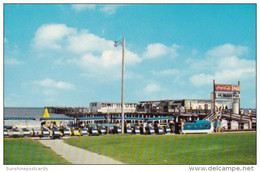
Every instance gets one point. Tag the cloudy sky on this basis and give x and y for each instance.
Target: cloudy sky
(64, 54)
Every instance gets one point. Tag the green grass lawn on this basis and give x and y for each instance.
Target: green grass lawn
(235, 148)
(21, 151)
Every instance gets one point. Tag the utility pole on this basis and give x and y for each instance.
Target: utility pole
(122, 88)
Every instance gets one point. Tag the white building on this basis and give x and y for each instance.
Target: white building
(205, 104)
(109, 107)
(181, 105)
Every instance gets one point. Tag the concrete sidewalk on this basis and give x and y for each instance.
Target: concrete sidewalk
(77, 155)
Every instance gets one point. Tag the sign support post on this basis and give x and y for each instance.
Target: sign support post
(235, 96)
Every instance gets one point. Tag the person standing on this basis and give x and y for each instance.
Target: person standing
(215, 124)
(144, 127)
(218, 125)
(221, 126)
(182, 126)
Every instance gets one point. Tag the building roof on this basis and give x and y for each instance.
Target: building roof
(176, 100)
(92, 118)
(113, 102)
(19, 118)
(57, 118)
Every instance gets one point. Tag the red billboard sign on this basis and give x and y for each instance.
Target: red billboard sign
(228, 88)
(236, 88)
(223, 87)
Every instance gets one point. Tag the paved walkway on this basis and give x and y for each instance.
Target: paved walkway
(76, 155)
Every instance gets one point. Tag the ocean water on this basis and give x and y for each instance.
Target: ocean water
(34, 112)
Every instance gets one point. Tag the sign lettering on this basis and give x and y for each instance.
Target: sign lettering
(222, 87)
(227, 96)
(236, 88)
(227, 88)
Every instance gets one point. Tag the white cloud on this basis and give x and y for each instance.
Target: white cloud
(131, 58)
(220, 57)
(114, 58)
(158, 50)
(95, 55)
(104, 50)
(151, 88)
(155, 50)
(234, 62)
(224, 76)
(87, 42)
(83, 7)
(227, 50)
(59, 61)
(107, 65)
(51, 84)
(201, 79)
(166, 72)
(50, 36)
(109, 9)
(224, 64)
(13, 61)
(194, 52)
(61, 37)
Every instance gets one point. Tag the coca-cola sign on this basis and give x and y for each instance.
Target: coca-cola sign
(236, 88)
(222, 87)
(228, 88)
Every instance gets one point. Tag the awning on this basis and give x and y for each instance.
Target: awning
(175, 104)
(8, 127)
(160, 118)
(19, 118)
(58, 119)
(163, 104)
(105, 125)
(188, 114)
(91, 118)
(129, 118)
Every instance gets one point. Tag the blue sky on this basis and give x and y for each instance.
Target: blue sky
(63, 54)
